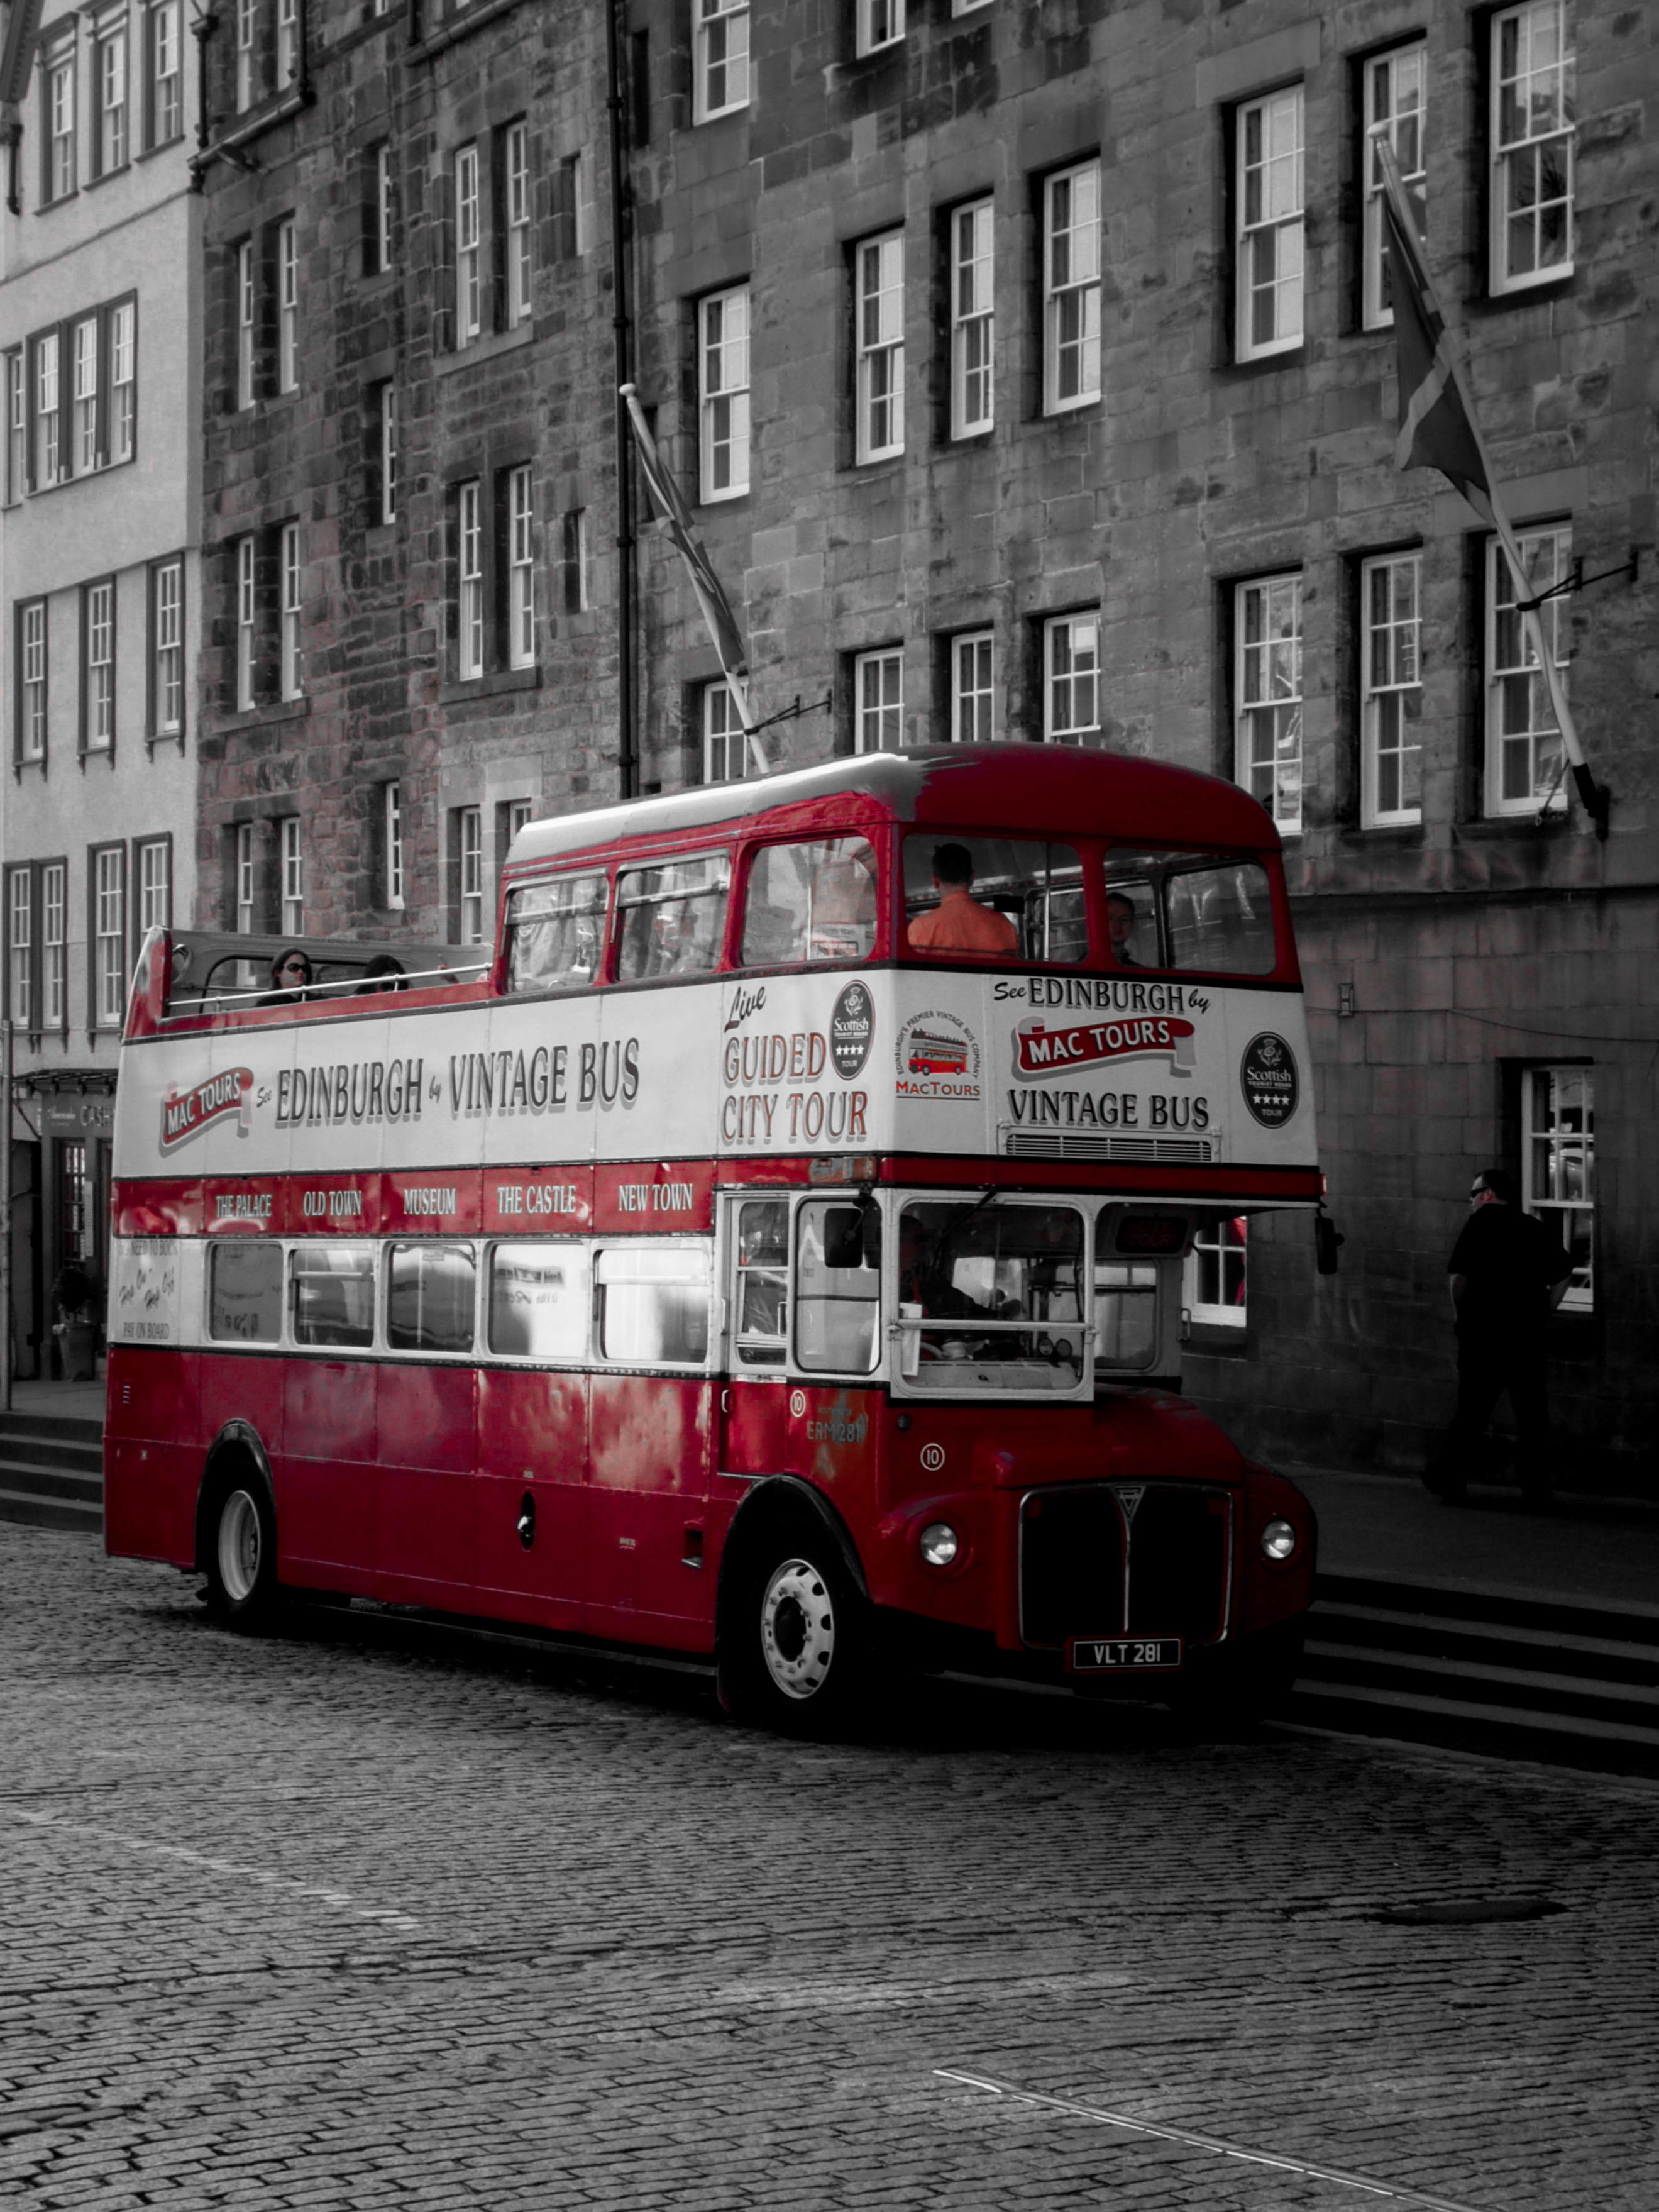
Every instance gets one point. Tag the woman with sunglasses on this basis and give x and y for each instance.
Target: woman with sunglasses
(290, 974)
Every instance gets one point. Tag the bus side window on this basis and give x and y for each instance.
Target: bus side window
(653, 1303)
(671, 919)
(331, 1293)
(555, 933)
(837, 1296)
(244, 1292)
(540, 1301)
(1126, 1313)
(763, 1284)
(1222, 918)
(430, 1292)
(809, 901)
(998, 898)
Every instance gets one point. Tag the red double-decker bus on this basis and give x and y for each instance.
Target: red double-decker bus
(774, 1252)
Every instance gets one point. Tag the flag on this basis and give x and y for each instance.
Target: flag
(1436, 428)
(676, 515)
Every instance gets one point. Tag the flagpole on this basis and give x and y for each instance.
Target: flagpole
(716, 612)
(1594, 798)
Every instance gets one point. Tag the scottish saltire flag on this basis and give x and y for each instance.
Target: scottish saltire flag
(1437, 429)
(716, 607)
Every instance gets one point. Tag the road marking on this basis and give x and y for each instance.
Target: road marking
(341, 1899)
(1285, 2164)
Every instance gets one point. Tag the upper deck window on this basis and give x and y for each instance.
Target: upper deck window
(555, 933)
(1199, 910)
(996, 898)
(670, 919)
(809, 901)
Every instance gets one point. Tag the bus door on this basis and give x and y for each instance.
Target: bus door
(330, 1430)
(530, 1502)
(428, 1425)
(650, 1439)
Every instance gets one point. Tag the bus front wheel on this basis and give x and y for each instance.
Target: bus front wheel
(239, 1551)
(793, 1646)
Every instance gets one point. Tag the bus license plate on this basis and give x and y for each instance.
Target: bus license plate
(1123, 1654)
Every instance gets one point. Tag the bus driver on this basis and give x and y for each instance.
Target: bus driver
(960, 923)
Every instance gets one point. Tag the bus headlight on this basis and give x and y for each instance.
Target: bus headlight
(1278, 1541)
(940, 1543)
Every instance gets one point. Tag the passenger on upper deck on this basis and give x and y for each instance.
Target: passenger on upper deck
(1120, 923)
(289, 968)
(959, 923)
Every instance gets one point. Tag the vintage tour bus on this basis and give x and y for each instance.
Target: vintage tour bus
(774, 1252)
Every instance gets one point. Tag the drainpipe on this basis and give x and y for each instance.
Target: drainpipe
(628, 764)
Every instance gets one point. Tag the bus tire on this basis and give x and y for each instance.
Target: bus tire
(794, 1637)
(238, 1550)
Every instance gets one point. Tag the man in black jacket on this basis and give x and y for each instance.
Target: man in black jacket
(1507, 1273)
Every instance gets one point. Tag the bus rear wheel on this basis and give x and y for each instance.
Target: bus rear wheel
(794, 1639)
(240, 1552)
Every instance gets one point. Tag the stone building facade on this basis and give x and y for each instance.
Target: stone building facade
(1028, 366)
(100, 354)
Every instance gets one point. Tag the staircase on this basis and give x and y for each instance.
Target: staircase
(1575, 1685)
(52, 1472)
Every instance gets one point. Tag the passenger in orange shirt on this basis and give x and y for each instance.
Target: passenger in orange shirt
(959, 923)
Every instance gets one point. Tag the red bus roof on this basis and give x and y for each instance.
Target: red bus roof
(1004, 789)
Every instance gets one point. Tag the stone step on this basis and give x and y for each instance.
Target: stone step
(38, 1510)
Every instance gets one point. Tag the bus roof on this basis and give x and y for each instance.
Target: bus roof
(1036, 790)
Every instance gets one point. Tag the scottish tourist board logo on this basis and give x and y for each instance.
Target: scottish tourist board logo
(937, 1056)
(1268, 1077)
(852, 1025)
(186, 1114)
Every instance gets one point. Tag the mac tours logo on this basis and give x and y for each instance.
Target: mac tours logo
(937, 1056)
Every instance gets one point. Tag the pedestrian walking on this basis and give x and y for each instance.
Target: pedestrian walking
(1508, 1272)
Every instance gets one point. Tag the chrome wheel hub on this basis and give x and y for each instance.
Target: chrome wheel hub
(798, 1629)
(238, 1546)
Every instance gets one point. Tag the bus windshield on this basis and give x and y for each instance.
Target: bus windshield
(991, 1295)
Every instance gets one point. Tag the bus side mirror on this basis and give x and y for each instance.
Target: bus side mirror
(1328, 1240)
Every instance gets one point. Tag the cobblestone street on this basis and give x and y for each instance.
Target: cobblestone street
(370, 1914)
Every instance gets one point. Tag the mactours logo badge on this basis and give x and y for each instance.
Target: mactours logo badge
(937, 1056)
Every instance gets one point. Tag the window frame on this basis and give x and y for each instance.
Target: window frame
(246, 343)
(1372, 814)
(111, 118)
(164, 113)
(1059, 293)
(1247, 346)
(716, 702)
(878, 349)
(386, 427)
(59, 119)
(1244, 703)
(1211, 1239)
(246, 604)
(717, 22)
(1054, 627)
(288, 306)
(470, 622)
(1579, 1296)
(520, 567)
(878, 24)
(146, 882)
(973, 325)
(1407, 133)
(471, 901)
(1501, 280)
(519, 208)
(292, 881)
(880, 661)
(469, 244)
(578, 585)
(21, 1007)
(54, 877)
(98, 674)
(723, 405)
(107, 964)
(32, 721)
(290, 608)
(248, 74)
(244, 881)
(1495, 678)
(973, 704)
(17, 424)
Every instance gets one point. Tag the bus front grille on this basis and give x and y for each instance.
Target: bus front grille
(1072, 1145)
(1123, 1559)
